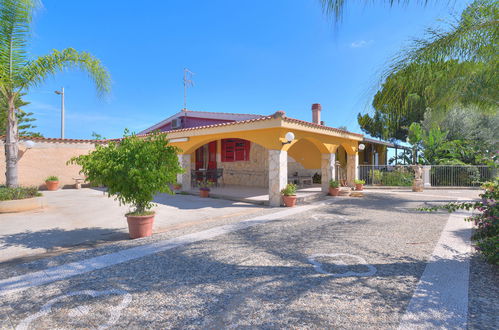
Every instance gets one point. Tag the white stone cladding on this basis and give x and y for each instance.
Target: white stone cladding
(185, 178)
(328, 170)
(253, 172)
(278, 175)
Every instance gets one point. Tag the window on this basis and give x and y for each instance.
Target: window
(234, 150)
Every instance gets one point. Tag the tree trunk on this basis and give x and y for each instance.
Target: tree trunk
(11, 144)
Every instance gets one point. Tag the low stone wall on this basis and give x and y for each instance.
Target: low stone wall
(47, 157)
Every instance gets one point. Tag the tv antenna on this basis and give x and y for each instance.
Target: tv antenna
(187, 83)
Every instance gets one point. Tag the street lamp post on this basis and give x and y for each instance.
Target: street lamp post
(61, 93)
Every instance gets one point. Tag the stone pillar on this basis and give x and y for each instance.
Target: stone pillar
(426, 176)
(352, 168)
(328, 167)
(185, 178)
(219, 152)
(278, 175)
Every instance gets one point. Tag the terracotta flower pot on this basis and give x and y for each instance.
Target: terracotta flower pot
(289, 201)
(140, 225)
(334, 191)
(359, 186)
(204, 193)
(52, 185)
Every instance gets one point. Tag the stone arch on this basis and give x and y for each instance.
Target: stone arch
(308, 152)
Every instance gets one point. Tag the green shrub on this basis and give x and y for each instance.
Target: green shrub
(486, 221)
(397, 178)
(133, 169)
(52, 178)
(334, 184)
(358, 181)
(290, 190)
(376, 176)
(7, 194)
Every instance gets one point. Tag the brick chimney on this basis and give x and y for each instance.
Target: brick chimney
(316, 113)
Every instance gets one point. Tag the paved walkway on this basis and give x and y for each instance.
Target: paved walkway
(366, 262)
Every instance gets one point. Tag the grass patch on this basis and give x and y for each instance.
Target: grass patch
(8, 194)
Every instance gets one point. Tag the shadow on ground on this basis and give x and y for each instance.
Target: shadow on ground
(59, 238)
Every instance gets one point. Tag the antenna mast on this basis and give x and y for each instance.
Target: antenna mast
(187, 83)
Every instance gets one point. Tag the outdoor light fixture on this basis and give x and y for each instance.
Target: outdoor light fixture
(290, 136)
(29, 144)
(362, 146)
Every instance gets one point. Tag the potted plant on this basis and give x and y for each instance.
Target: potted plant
(134, 170)
(334, 188)
(289, 195)
(204, 188)
(359, 184)
(52, 183)
(177, 186)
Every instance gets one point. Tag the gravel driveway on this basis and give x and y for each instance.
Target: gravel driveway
(353, 263)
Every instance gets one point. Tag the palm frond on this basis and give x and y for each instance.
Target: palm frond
(37, 71)
(456, 64)
(336, 8)
(15, 19)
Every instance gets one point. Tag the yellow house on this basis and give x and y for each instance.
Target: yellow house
(263, 151)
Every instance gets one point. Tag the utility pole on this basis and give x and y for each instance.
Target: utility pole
(61, 93)
(187, 83)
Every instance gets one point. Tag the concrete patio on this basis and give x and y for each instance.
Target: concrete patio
(87, 217)
(258, 195)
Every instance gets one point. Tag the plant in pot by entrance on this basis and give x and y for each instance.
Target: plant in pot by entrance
(177, 187)
(134, 170)
(204, 188)
(52, 183)
(289, 195)
(334, 188)
(359, 184)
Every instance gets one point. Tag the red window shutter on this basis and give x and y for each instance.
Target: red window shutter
(235, 150)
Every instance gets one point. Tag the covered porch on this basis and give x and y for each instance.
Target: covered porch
(255, 159)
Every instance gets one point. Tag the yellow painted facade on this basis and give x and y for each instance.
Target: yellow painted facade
(310, 140)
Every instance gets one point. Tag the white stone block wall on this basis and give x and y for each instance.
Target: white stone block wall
(278, 175)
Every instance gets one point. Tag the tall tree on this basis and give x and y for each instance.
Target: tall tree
(18, 73)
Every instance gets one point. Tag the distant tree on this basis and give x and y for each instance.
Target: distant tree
(467, 123)
(343, 127)
(97, 136)
(25, 119)
(407, 95)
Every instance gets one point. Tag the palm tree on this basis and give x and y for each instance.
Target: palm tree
(18, 73)
(464, 53)
(470, 41)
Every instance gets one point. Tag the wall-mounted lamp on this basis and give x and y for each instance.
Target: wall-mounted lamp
(289, 137)
(362, 146)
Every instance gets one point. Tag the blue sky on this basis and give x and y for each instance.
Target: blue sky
(255, 56)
